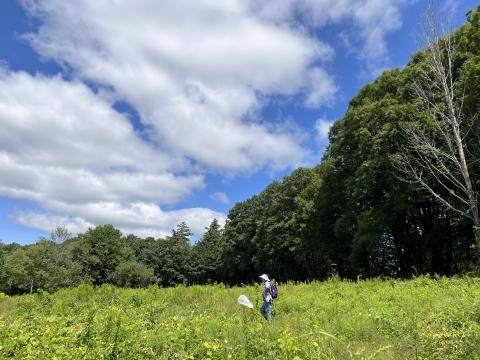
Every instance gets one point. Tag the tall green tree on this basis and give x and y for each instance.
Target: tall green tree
(239, 250)
(207, 255)
(379, 211)
(320, 205)
(51, 266)
(99, 251)
(280, 249)
(263, 234)
(18, 272)
(174, 257)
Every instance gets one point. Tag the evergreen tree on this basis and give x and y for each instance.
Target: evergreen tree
(174, 257)
(207, 255)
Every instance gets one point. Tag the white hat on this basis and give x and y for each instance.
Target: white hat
(264, 277)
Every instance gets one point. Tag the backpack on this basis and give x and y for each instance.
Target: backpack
(273, 290)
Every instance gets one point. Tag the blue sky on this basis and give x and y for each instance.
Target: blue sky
(145, 114)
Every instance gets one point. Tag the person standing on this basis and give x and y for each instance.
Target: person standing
(267, 306)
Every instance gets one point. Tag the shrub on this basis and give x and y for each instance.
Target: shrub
(133, 274)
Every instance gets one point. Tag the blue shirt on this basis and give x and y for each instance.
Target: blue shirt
(266, 293)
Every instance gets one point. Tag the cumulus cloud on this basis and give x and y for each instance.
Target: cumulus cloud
(66, 149)
(193, 70)
(142, 219)
(220, 197)
(61, 141)
(322, 128)
(196, 72)
(47, 222)
(371, 21)
(323, 88)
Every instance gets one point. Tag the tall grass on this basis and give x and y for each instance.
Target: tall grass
(374, 319)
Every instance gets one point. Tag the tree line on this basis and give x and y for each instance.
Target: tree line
(358, 213)
(103, 255)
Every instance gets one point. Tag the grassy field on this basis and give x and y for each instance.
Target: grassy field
(375, 319)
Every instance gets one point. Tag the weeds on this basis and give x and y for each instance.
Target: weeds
(365, 320)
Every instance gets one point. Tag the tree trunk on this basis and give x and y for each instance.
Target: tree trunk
(401, 251)
(472, 199)
(476, 231)
(447, 164)
(448, 251)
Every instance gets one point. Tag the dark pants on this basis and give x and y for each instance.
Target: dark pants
(266, 310)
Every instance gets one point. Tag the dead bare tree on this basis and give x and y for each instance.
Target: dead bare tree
(60, 234)
(434, 155)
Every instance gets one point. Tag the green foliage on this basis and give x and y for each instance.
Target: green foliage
(280, 246)
(239, 249)
(44, 265)
(207, 255)
(352, 214)
(18, 272)
(375, 319)
(264, 234)
(175, 257)
(100, 251)
(133, 274)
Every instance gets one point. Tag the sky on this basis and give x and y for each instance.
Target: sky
(143, 114)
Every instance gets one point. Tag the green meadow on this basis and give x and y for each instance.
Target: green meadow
(372, 319)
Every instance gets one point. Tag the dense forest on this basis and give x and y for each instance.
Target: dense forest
(353, 214)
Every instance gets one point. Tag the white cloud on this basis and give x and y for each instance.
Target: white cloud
(48, 222)
(322, 127)
(193, 70)
(376, 18)
(142, 219)
(60, 141)
(371, 21)
(196, 72)
(323, 88)
(220, 197)
(66, 149)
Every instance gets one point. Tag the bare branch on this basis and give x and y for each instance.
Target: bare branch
(434, 154)
(415, 176)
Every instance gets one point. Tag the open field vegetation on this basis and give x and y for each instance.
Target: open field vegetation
(373, 319)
